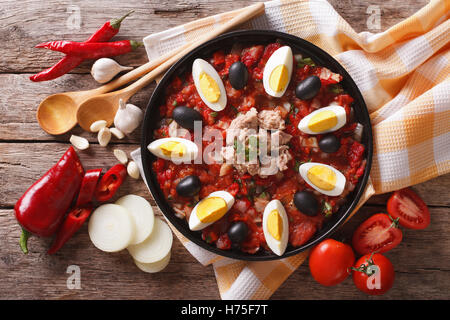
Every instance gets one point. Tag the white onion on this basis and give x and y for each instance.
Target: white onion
(111, 227)
(143, 215)
(156, 246)
(154, 266)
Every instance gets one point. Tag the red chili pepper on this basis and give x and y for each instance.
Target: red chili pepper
(92, 50)
(41, 208)
(88, 186)
(69, 62)
(73, 222)
(110, 182)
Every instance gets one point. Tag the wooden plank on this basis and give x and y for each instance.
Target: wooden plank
(22, 125)
(23, 163)
(113, 276)
(35, 21)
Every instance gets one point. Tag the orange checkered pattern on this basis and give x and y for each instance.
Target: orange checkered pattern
(403, 74)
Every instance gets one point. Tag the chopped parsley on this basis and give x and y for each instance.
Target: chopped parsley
(175, 103)
(335, 88)
(327, 209)
(305, 61)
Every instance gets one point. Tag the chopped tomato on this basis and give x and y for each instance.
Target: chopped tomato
(300, 233)
(251, 55)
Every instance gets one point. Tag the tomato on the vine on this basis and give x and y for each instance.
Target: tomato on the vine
(373, 274)
(330, 262)
(409, 208)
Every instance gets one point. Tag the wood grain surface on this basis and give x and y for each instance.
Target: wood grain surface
(422, 261)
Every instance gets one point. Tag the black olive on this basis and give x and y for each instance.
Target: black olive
(185, 116)
(238, 232)
(308, 88)
(329, 143)
(238, 75)
(306, 203)
(188, 186)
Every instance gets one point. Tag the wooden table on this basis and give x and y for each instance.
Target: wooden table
(422, 261)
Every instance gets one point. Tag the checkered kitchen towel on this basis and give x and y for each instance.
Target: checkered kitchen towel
(403, 74)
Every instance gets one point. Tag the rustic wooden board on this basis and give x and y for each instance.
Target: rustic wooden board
(422, 260)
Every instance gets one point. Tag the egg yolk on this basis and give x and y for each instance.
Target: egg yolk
(173, 148)
(209, 87)
(275, 224)
(279, 78)
(211, 209)
(322, 177)
(322, 121)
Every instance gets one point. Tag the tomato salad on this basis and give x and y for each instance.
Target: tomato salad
(241, 228)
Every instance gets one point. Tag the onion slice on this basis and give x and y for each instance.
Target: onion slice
(156, 246)
(111, 227)
(154, 266)
(143, 215)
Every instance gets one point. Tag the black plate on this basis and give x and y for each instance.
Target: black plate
(248, 37)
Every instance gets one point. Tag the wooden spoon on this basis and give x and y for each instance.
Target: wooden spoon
(104, 106)
(57, 114)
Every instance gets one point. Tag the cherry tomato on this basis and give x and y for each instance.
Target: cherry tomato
(370, 280)
(406, 205)
(377, 234)
(330, 262)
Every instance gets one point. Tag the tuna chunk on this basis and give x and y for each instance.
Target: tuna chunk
(270, 120)
(245, 141)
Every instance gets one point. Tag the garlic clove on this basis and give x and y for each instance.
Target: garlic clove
(104, 69)
(117, 133)
(104, 136)
(128, 117)
(79, 142)
(98, 125)
(133, 170)
(121, 156)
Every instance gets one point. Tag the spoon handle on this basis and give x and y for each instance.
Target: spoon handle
(171, 58)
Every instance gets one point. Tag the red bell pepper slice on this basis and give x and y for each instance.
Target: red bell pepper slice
(88, 186)
(110, 182)
(73, 222)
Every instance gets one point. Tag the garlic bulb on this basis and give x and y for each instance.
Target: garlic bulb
(105, 69)
(128, 117)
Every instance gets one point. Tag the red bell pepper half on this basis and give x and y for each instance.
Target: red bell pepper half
(41, 208)
(88, 186)
(110, 182)
(73, 222)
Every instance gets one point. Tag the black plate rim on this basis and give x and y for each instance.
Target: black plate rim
(180, 224)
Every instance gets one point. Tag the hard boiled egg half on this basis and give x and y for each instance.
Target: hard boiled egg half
(276, 227)
(209, 85)
(323, 120)
(210, 209)
(323, 178)
(278, 71)
(175, 149)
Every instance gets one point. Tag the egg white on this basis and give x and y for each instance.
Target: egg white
(282, 56)
(338, 111)
(200, 66)
(194, 222)
(277, 246)
(191, 149)
(340, 181)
